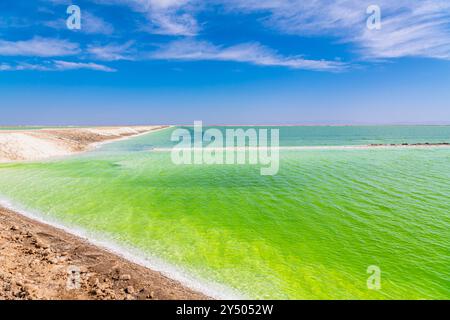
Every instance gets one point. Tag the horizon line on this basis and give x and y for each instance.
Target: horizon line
(228, 125)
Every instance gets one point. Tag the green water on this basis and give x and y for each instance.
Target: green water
(309, 232)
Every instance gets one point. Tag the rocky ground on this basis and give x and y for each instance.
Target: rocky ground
(38, 261)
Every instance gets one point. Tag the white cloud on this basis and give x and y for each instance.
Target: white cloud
(112, 52)
(5, 67)
(420, 31)
(409, 27)
(169, 23)
(56, 65)
(65, 65)
(90, 24)
(166, 17)
(38, 47)
(253, 53)
(418, 28)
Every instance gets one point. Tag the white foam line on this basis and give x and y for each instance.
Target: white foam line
(293, 148)
(97, 145)
(209, 288)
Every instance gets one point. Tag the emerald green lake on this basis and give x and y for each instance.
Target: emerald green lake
(309, 232)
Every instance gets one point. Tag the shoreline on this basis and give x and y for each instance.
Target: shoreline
(97, 145)
(185, 281)
(36, 256)
(48, 143)
(37, 259)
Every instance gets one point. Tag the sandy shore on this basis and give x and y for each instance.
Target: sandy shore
(29, 145)
(38, 261)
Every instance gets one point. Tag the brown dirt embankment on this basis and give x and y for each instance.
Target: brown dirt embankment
(38, 261)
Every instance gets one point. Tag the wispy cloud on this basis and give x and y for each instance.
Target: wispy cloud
(39, 47)
(66, 65)
(94, 24)
(169, 23)
(112, 52)
(56, 65)
(90, 24)
(166, 17)
(409, 27)
(422, 30)
(253, 53)
(5, 67)
(23, 66)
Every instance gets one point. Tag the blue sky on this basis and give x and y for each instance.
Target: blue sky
(224, 61)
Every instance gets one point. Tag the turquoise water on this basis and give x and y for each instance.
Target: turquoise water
(312, 136)
(310, 232)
